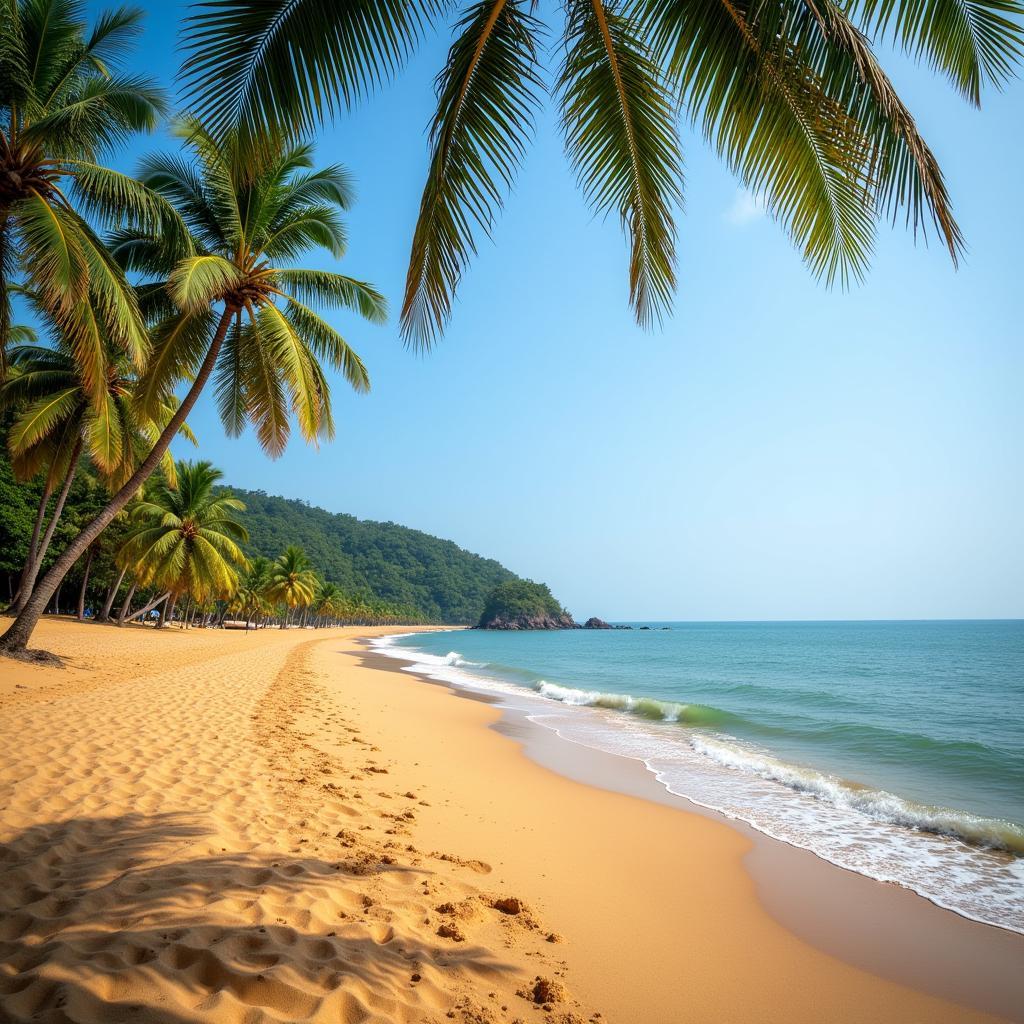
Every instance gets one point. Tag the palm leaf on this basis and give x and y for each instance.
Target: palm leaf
(974, 42)
(619, 124)
(328, 344)
(179, 343)
(104, 435)
(487, 94)
(41, 417)
(198, 281)
(55, 265)
(229, 382)
(282, 65)
(335, 290)
(774, 122)
(266, 406)
(310, 401)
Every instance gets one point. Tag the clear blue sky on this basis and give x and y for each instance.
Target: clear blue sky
(778, 450)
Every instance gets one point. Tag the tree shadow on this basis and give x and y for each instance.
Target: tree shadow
(103, 919)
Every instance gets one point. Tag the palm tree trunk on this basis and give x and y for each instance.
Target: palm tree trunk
(18, 635)
(28, 579)
(127, 604)
(104, 615)
(167, 612)
(33, 544)
(147, 607)
(85, 584)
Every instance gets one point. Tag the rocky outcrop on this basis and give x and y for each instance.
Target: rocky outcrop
(595, 623)
(562, 621)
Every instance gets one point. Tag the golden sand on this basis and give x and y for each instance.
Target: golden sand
(231, 827)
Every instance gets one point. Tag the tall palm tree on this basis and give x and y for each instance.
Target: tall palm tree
(251, 598)
(292, 581)
(225, 302)
(58, 422)
(329, 602)
(790, 94)
(186, 539)
(63, 103)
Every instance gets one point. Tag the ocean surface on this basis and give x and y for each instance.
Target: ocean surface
(895, 749)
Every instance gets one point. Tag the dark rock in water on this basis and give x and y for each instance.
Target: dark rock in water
(622, 627)
(666, 627)
(595, 623)
(645, 627)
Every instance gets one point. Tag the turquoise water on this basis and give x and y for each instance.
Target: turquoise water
(893, 748)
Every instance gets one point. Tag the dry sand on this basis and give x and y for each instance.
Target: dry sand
(215, 826)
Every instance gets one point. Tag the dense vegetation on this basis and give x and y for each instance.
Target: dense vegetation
(393, 563)
(520, 601)
(433, 580)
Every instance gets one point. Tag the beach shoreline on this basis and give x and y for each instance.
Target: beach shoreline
(206, 826)
(888, 930)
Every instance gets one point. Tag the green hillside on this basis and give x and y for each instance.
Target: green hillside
(394, 563)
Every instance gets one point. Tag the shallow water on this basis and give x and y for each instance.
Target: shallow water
(892, 748)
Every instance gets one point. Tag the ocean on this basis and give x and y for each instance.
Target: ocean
(895, 749)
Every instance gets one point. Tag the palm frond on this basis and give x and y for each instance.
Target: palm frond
(52, 247)
(283, 65)
(488, 92)
(104, 435)
(974, 42)
(771, 118)
(179, 342)
(229, 382)
(310, 402)
(198, 281)
(266, 405)
(105, 112)
(327, 344)
(619, 124)
(40, 418)
(336, 291)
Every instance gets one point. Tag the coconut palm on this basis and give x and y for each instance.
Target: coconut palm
(63, 103)
(790, 94)
(251, 599)
(186, 539)
(292, 581)
(329, 602)
(57, 422)
(226, 302)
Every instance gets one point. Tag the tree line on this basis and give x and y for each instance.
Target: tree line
(176, 553)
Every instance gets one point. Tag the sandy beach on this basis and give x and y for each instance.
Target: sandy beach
(279, 826)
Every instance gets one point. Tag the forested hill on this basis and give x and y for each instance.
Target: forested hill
(384, 560)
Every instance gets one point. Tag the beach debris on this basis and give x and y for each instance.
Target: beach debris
(450, 930)
(543, 990)
(508, 905)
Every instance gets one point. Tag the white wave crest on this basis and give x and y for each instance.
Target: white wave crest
(875, 803)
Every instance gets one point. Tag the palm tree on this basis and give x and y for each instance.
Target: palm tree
(58, 422)
(251, 597)
(329, 602)
(790, 94)
(228, 304)
(63, 103)
(186, 539)
(292, 582)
